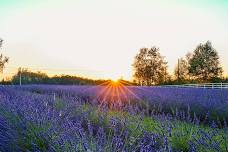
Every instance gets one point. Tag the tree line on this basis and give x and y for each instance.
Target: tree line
(200, 66)
(150, 68)
(25, 76)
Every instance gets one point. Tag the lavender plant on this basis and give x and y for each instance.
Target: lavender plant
(69, 118)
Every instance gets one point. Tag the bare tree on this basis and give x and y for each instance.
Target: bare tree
(181, 71)
(1, 41)
(3, 60)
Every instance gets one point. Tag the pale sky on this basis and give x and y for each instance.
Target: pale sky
(99, 38)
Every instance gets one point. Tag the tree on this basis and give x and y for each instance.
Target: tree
(204, 63)
(181, 71)
(28, 77)
(150, 67)
(3, 60)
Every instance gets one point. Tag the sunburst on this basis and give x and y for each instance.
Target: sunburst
(115, 92)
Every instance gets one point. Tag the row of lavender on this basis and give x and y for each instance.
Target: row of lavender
(62, 118)
(207, 104)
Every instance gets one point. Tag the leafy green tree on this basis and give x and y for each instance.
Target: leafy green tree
(150, 67)
(204, 63)
(28, 77)
(3, 60)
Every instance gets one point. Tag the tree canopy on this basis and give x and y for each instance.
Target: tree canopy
(29, 77)
(204, 63)
(150, 67)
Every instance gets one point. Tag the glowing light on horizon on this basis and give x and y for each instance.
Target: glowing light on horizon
(115, 92)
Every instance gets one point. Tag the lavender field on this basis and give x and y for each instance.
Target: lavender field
(113, 76)
(111, 119)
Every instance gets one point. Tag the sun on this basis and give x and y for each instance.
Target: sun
(115, 80)
(115, 91)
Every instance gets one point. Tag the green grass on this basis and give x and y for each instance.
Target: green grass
(137, 125)
(181, 132)
(25, 137)
(59, 104)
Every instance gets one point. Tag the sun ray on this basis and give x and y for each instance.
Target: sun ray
(132, 93)
(122, 92)
(143, 89)
(125, 83)
(106, 93)
(94, 87)
(114, 93)
(104, 88)
(118, 95)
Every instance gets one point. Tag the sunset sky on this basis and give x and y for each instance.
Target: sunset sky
(99, 38)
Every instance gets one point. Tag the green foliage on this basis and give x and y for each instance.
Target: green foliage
(29, 77)
(137, 125)
(204, 63)
(26, 140)
(59, 104)
(33, 130)
(182, 132)
(150, 67)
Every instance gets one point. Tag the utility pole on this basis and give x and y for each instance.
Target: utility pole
(178, 71)
(20, 76)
